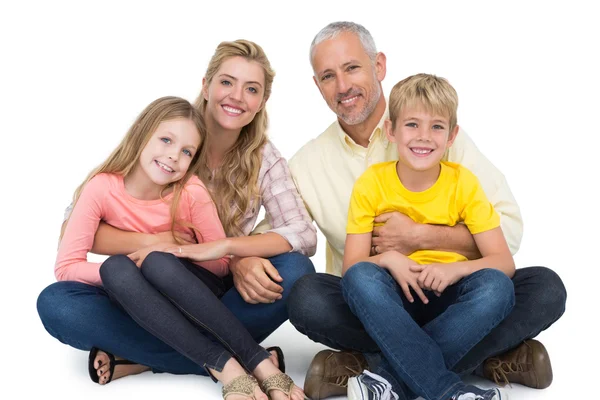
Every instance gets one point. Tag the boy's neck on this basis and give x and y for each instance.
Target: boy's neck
(417, 181)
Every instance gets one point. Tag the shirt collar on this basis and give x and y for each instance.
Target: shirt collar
(377, 134)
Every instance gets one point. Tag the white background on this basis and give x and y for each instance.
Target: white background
(74, 76)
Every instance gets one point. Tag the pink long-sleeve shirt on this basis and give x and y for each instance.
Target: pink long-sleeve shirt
(104, 198)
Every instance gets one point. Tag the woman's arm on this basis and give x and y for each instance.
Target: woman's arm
(285, 210)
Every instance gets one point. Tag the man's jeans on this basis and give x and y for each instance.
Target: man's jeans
(317, 309)
(83, 316)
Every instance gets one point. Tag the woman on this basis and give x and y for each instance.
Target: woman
(243, 171)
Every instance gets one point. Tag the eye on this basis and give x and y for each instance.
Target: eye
(352, 67)
(187, 152)
(252, 90)
(326, 77)
(166, 140)
(225, 82)
(438, 127)
(411, 124)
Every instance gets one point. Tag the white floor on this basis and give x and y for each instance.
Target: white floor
(49, 368)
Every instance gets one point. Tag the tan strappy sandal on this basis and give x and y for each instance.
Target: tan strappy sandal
(243, 385)
(280, 382)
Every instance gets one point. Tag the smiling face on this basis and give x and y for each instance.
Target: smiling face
(170, 151)
(421, 137)
(235, 94)
(349, 81)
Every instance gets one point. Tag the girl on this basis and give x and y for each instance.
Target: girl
(243, 171)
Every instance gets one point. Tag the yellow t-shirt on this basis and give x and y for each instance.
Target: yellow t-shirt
(455, 197)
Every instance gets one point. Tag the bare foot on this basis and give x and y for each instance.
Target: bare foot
(266, 369)
(274, 359)
(102, 366)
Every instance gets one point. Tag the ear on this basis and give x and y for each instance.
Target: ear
(264, 102)
(389, 132)
(317, 84)
(380, 66)
(204, 89)
(452, 136)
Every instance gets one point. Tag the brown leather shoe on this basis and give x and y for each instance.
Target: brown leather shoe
(527, 364)
(329, 372)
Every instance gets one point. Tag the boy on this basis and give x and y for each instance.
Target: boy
(459, 301)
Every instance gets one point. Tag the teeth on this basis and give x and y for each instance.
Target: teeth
(349, 100)
(165, 167)
(421, 151)
(232, 110)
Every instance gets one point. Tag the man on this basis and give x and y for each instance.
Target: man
(348, 72)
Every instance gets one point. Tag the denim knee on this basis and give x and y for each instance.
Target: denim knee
(547, 294)
(159, 264)
(364, 279)
(306, 303)
(117, 272)
(495, 292)
(52, 307)
(293, 267)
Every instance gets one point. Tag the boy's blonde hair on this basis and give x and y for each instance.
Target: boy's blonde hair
(235, 187)
(125, 157)
(425, 90)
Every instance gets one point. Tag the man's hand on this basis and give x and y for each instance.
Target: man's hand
(400, 268)
(254, 278)
(399, 233)
(437, 277)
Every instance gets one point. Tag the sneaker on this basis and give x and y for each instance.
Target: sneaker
(370, 386)
(329, 372)
(470, 392)
(527, 364)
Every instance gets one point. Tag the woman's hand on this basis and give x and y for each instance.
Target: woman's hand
(139, 256)
(201, 251)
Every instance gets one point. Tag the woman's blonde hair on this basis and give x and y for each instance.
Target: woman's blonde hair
(235, 186)
(125, 157)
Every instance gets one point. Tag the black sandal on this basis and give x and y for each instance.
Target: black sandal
(113, 363)
(280, 358)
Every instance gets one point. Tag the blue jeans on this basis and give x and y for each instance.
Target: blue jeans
(84, 316)
(317, 309)
(417, 340)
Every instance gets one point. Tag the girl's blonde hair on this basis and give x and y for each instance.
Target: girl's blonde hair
(125, 157)
(235, 186)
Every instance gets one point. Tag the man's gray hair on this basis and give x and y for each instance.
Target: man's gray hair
(335, 28)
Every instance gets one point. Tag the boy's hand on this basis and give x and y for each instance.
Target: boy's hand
(400, 268)
(437, 277)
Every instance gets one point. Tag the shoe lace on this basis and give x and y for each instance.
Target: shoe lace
(342, 380)
(500, 370)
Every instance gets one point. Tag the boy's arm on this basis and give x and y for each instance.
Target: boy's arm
(494, 251)
(357, 248)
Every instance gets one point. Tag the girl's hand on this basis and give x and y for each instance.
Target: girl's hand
(437, 277)
(201, 251)
(400, 268)
(139, 256)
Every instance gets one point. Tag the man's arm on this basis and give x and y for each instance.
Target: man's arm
(406, 236)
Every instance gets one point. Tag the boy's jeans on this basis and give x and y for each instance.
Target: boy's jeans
(421, 341)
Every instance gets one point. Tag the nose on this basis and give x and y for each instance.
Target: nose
(174, 155)
(343, 84)
(236, 93)
(424, 133)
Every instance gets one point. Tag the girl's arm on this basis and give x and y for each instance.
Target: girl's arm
(71, 261)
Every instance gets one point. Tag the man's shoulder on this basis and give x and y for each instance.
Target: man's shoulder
(319, 145)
